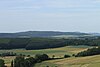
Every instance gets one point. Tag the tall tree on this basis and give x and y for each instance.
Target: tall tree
(12, 64)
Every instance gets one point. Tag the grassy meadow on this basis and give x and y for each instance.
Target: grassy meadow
(90, 61)
(59, 53)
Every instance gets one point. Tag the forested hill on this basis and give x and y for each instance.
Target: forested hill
(44, 43)
(29, 34)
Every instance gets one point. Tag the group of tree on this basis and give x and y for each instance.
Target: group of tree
(21, 61)
(89, 52)
(2, 64)
(5, 54)
(44, 43)
(66, 56)
(31, 43)
(8, 54)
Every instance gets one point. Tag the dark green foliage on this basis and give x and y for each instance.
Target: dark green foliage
(32, 43)
(89, 52)
(18, 43)
(44, 43)
(28, 55)
(73, 55)
(67, 56)
(2, 64)
(13, 43)
(30, 61)
(5, 54)
(53, 56)
(20, 61)
(8, 54)
(41, 57)
(12, 64)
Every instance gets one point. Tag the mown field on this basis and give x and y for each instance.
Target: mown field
(59, 53)
(90, 61)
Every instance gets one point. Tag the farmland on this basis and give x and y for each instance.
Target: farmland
(58, 52)
(91, 61)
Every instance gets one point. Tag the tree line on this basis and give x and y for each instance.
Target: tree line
(44, 43)
(89, 52)
(5, 54)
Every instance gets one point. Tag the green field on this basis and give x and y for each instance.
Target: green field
(59, 53)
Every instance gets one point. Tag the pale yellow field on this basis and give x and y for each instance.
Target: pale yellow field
(90, 61)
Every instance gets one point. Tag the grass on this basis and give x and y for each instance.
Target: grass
(58, 52)
(91, 61)
(55, 51)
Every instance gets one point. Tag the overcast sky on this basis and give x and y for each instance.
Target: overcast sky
(50, 15)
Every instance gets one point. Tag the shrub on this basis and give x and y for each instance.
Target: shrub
(66, 56)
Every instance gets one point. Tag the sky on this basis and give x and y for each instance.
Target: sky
(50, 15)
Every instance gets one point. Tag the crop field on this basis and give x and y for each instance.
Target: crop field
(91, 61)
(59, 53)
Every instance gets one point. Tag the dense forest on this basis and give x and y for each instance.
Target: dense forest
(31, 43)
(44, 43)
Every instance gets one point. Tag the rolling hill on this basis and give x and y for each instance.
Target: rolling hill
(29, 34)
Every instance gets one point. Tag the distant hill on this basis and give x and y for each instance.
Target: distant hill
(29, 34)
(95, 34)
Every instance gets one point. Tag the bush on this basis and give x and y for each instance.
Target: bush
(41, 57)
(66, 56)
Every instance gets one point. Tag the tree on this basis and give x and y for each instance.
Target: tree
(12, 64)
(18, 61)
(41, 57)
(53, 56)
(2, 64)
(66, 56)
